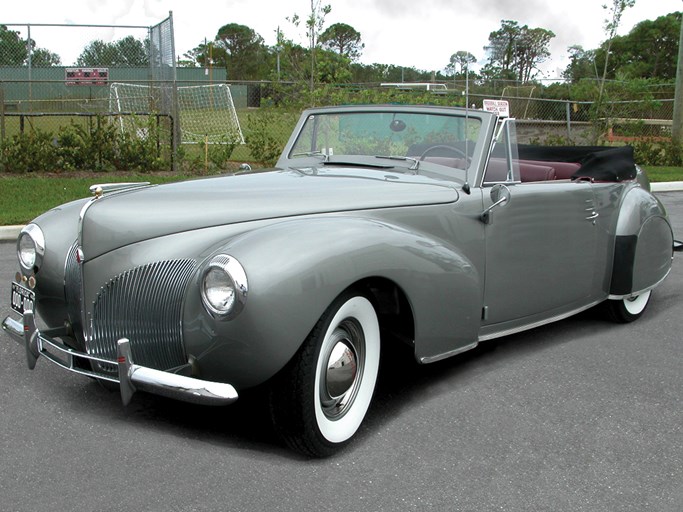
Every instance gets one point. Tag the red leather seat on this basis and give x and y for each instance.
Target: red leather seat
(497, 171)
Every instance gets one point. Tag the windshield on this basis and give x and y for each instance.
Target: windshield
(413, 138)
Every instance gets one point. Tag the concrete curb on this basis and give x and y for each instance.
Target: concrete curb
(667, 186)
(10, 233)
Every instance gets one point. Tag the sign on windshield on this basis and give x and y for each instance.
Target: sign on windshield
(499, 107)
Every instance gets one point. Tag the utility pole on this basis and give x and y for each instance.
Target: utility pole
(278, 48)
(677, 125)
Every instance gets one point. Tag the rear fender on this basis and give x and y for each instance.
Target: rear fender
(643, 247)
(296, 268)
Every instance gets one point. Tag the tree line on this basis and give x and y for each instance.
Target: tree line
(331, 55)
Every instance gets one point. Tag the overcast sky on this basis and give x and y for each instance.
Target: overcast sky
(419, 33)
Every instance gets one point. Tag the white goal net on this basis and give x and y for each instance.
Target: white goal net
(207, 112)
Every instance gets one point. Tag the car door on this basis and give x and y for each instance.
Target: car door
(540, 251)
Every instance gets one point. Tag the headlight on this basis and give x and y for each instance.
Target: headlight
(224, 287)
(31, 247)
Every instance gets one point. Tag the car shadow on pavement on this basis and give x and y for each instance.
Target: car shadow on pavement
(402, 385)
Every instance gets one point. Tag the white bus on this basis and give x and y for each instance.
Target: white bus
(428, 86)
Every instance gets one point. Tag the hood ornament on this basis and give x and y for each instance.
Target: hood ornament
(100, 189)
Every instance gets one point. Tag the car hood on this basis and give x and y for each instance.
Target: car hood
(123, 218)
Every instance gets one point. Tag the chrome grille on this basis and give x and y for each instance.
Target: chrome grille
(144, 305)
(72, 290)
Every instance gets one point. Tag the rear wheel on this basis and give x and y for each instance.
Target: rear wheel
(628, 309)
(319, 400)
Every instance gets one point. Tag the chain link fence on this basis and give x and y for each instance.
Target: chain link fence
(44, 92)
(135, 75)
(553, 122)
(539, 120)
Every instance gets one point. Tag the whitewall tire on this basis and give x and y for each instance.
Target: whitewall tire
(320, 399)
(628, 309)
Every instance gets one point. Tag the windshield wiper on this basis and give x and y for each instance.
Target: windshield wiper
(313, 153)
(357, 164)
(413, 167)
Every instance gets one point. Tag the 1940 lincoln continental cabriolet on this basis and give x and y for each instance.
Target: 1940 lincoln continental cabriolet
(379, 225)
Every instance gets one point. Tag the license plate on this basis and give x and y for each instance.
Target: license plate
(22, 299)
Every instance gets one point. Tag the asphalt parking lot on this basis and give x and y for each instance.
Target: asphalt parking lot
(581, 415)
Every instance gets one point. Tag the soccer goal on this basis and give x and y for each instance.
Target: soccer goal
(132, 100)
(207, 112)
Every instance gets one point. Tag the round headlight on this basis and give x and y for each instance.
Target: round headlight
(224, 287)
(31, 247)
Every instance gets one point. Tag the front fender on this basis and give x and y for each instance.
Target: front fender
(60, 227)
(643, 248)
(296, 268)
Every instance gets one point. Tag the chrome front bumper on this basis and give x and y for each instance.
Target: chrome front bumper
(131, 377)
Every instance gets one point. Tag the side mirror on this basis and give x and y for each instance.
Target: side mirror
(500, 195)
(244, 168)
(678, 246)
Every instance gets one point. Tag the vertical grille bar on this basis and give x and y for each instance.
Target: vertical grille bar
(143, 304)
(72, 290)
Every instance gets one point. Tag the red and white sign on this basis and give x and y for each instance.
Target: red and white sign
(86, 76)
(500, 107)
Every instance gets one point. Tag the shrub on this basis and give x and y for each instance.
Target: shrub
(91, 148)
(265, 143)
(102, 147)
(664, 153)
(220, 153)
(138, 148)
(28, 152)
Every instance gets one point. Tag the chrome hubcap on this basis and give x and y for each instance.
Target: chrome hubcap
(343, 369)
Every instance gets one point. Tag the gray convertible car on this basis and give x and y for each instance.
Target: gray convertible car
(380, 225)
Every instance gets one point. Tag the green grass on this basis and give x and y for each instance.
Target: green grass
(664, 173)
(27, 196)
(45, 123)
(197, 123)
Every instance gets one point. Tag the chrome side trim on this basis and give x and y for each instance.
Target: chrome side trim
(85, 326)
(446, 355)
(633, 294)
(533, 325)
(131, 377)
(81, 219)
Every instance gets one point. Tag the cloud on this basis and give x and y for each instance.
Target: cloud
(422, 33)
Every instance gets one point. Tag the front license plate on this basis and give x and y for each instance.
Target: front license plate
(22, 299)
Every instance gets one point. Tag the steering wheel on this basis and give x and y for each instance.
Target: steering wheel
(455, 150)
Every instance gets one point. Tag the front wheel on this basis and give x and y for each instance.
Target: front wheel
(319, 400)
(627, 309)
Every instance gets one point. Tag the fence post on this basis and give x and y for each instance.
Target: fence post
(2, 113)
(677, 122)
(174, 107)
(174, 161)
(99, 146)
(30, 69)
(158, 134)
(569, 120)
